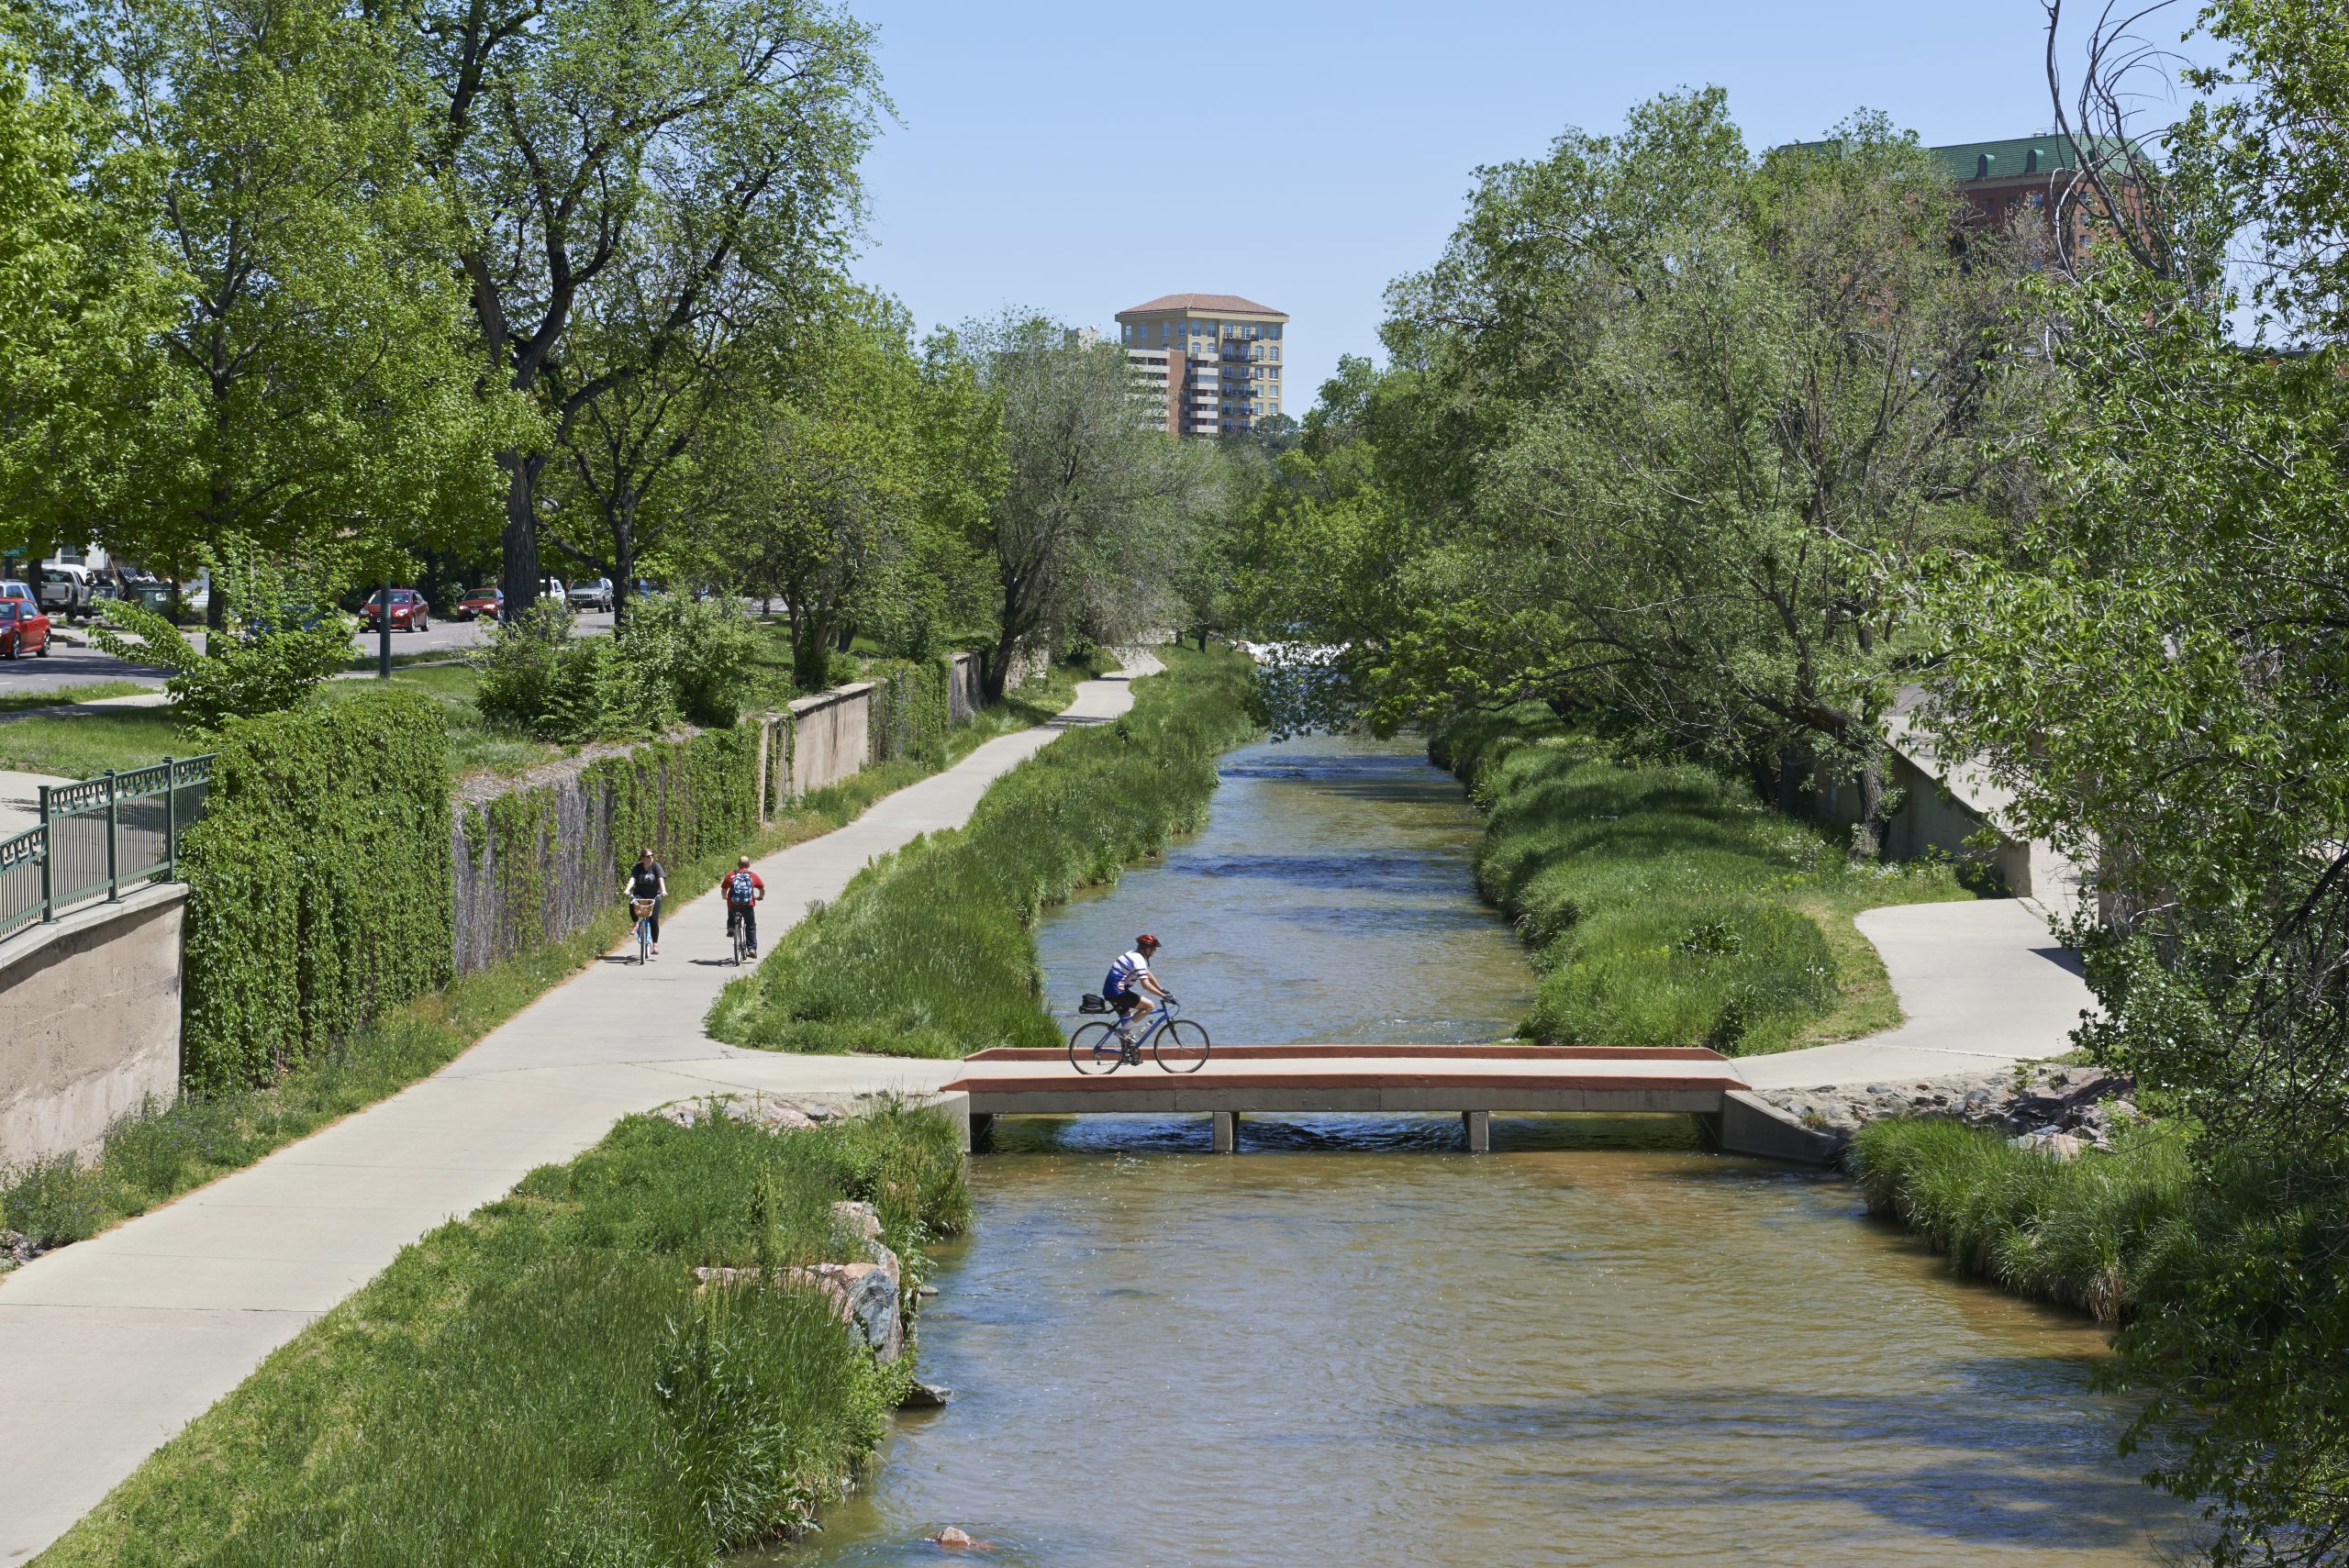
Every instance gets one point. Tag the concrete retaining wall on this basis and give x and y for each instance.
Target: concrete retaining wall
(830, 735)
(93, 1010)
(963, 697)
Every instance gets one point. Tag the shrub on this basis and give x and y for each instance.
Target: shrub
(52, 1202)
(318, 884)
(284, 636)
(933, 952)
(677, 659)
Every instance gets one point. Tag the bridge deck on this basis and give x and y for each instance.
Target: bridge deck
(1350, 1078)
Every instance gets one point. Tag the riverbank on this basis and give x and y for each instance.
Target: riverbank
(148, 1159)
(119, 1342)
(932, 953)
(548, 1380)
(1663, 906)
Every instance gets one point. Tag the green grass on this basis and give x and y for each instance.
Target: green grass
(81, 746)
(95, 691)
(2086, 1232)
(932, 952)
(1665, 906)
(542, 1384)
(151, 1158)
(475, 747)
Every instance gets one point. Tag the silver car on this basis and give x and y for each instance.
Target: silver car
(594, 596)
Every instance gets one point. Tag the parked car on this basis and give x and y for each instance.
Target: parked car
(409, 612)
(595, 595)
(490, 602)
(23, 628)
(10, 588)
(65, 590)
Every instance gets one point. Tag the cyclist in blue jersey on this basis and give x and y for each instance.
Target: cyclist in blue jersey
(1131, 985)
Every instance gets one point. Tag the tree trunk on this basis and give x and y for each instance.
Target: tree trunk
(624, 570)
(1869, 835)
(518, 572)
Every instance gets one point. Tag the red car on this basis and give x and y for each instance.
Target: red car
(23, 629)
(409, 612)
(490, 602)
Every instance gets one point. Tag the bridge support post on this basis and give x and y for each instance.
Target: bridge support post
(1227, 1131)
(982, 1138)
(1478, 1128)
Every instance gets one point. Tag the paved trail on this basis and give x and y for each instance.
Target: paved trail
(112, 1346)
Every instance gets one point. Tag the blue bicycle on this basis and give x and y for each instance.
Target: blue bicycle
(1178, 1045)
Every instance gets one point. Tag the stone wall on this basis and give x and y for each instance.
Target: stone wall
(963, 694)
(93, 1010)
(831, 737)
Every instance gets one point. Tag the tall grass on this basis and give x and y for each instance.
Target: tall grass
(931, 953)
(542, 1384)
(2086, 1232)
(1664, 906)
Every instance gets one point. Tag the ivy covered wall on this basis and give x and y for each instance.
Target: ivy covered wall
(318, 884)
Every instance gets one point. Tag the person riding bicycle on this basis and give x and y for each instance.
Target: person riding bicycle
(648, 880)
(1130, 984)
(744, 891)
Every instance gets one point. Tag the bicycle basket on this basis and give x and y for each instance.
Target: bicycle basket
(1092, 1003)
(639, 909)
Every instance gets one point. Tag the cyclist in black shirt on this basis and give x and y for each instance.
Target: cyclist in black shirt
(647, 880)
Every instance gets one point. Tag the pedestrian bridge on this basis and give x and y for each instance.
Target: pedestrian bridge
(1473, 1080)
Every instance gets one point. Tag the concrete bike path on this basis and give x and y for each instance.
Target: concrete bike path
(1982, 985)
(107, 1349)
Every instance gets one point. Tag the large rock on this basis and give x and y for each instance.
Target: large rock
(867, 1293)
(2084, 1104)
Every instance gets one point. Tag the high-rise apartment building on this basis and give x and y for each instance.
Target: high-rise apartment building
(1214, 357)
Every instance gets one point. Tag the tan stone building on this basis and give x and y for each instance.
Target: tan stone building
(1213, 359)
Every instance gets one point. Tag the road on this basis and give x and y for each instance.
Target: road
(71, 662)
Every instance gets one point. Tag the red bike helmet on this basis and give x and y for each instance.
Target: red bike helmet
(1145, 942)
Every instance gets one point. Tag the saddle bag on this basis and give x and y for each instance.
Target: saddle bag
(1092, 1003)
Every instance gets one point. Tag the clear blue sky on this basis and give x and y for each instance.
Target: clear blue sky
(1078, 158)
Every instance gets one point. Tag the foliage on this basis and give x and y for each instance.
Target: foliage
(1667, 427)
(931, 953)
(51, 1203)
(544, 1382)
(316, 388)
(2154, 671)
(281, 637)
(83, 293)
(2090, 1232)
(1665, 906)
(637, 182)
(318, 884)
(680, 660)
(1096, 506)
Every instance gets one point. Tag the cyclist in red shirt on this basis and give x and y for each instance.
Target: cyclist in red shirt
(744, 891)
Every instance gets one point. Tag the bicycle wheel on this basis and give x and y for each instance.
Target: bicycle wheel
(1094, 1048)
(643, 941)
(1176, 1044)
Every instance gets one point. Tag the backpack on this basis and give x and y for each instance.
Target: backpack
(740, 889)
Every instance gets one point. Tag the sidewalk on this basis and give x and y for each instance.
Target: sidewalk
(112, 1346)
(1982, 984)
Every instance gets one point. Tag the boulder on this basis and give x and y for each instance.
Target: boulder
(926, 1396)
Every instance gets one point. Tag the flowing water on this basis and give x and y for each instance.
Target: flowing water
(1351, 1343)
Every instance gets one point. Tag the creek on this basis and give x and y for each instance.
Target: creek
(1598, 1345)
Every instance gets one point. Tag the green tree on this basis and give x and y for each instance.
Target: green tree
(321, 391)
(83, 295)
(2157, 671)
(590, 138)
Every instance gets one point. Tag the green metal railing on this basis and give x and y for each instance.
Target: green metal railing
(96, 838)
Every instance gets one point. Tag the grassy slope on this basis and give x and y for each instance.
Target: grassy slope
(542, 1384)
(2084, 1232)
(1665, 907)
(95, 691)
(149, 1159)
(931, 953)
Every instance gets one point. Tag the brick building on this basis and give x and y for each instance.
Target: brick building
(1213, 359)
